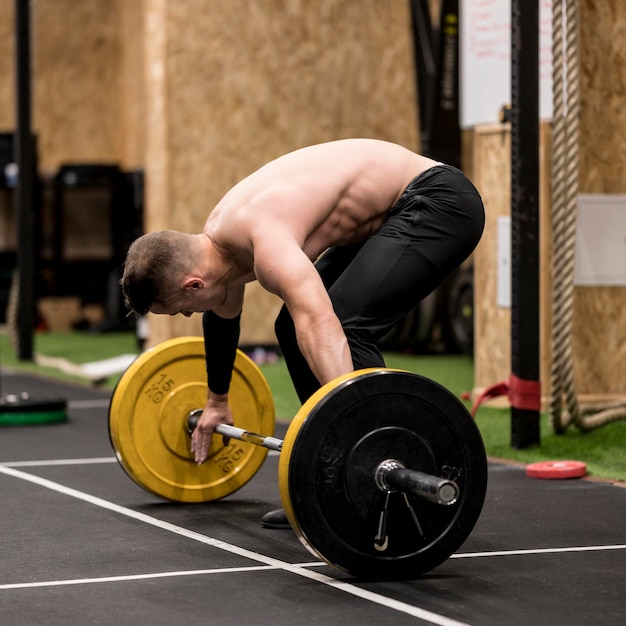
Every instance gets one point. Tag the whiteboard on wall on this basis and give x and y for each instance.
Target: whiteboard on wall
(485, 60)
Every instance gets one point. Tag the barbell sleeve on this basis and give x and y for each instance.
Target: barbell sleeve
(391, 475)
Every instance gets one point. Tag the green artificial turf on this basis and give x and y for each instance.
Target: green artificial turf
(604, 449)
(75, 347)
(454, 372)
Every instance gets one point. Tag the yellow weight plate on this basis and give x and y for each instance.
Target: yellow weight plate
(148, 423)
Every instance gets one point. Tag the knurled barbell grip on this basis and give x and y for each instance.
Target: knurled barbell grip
(393, 476)
(258, 440)
(236, 433)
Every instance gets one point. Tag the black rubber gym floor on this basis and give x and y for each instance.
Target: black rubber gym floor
(82, 544)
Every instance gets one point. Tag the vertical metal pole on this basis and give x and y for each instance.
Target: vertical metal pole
(24, 193)
(525, 221)
(425, 67)
(445, 133)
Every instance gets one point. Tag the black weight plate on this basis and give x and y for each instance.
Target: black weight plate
(330, 455)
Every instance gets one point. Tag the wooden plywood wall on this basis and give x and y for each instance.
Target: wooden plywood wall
(76, 81)
(7, 80)
(76, 94)
(492, 176)
(233, 84)
(201, 93)
(132, 85)
(76, 48)
(599, 332)
(599, 339)
(490, 155)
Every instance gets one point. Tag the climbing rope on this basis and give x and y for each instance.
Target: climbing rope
(564, 407)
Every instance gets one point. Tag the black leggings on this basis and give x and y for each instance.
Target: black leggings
(429, 232)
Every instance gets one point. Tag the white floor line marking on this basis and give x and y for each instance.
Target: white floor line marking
(472, 555)
(115, 579)
(427, 616)
(129, 577)
(94, 461)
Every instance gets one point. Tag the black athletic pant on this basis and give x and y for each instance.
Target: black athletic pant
(429, 232)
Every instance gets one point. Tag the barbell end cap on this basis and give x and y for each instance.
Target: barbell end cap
(448, 493)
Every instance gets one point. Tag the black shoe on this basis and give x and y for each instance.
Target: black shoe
(277, 520)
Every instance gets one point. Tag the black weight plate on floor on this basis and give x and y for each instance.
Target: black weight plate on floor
(25, 408)
(330, 455)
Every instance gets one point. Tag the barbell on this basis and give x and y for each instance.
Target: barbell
(382, 473)
(390, 474)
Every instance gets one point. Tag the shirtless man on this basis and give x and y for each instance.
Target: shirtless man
(350, 234)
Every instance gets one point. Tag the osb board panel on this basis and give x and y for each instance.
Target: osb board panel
(244, 82)
(545, 256)
(164, 327)
(598, 333)
(7, 75)
(248, 82)
(88, 100)
(603, 87)
(492, 323)
(76, 81)
(492, 177)
(133, 99)
(599, 339)
(157, 181)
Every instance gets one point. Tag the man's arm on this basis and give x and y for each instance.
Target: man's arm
(221, 336)
(285, 270)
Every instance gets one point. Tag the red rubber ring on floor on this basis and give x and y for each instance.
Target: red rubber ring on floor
(552, 470)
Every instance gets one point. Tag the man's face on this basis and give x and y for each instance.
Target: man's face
(171, 308)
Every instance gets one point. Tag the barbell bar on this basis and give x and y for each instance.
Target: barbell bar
(390, 475)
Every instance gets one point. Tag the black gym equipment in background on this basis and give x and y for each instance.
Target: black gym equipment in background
(24, 407)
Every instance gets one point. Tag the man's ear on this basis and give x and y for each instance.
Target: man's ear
(193, 283)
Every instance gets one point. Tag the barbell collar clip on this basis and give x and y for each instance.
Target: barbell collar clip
(391, 475)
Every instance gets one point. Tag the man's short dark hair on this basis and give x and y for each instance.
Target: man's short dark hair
(153, 266)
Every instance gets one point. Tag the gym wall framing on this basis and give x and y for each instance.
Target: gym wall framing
(200, 93)
(599, 333)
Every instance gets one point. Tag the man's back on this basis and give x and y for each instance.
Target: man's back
(323, 195)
